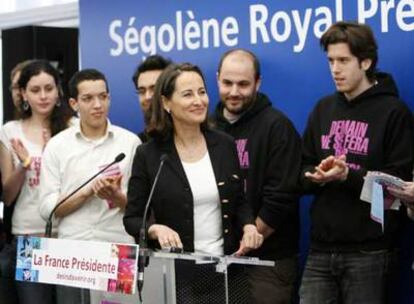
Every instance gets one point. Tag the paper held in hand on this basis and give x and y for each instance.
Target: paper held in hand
(374, 191)
(384, 180)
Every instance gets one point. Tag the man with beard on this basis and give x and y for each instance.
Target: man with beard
(270, 155)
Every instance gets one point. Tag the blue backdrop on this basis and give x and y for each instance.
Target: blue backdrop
(116, 36)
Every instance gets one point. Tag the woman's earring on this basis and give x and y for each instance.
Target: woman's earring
(58, 103)
(168, 111)
(25, 105)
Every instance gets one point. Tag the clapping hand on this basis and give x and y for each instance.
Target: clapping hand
(107, 187)
(20, 150)
(330, 169)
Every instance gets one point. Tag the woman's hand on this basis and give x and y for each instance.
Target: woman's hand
(251, 239)
(166, 236)
(20, 150)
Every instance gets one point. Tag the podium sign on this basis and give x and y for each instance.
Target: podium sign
(93, 265)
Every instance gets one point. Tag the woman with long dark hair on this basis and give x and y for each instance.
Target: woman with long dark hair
(43, 113)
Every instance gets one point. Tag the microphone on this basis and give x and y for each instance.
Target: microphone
(142, 259)
(48, 229)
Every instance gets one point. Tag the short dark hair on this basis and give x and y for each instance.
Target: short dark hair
(151, 63)
(255, 60)
(61, 114)
(160, 124)
(84, 75)
(359, 38)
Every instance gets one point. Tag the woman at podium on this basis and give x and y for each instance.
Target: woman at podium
(198, 202)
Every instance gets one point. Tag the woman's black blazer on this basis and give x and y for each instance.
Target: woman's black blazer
(172, 203)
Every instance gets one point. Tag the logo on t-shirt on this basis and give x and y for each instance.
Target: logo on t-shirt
(34, 171)
(347, 136)
(242, 153)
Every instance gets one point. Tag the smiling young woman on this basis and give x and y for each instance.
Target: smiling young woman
(43, 114)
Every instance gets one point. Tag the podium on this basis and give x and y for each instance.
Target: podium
(172, 278)
(108, 271)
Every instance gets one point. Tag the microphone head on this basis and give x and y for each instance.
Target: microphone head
(119, 157)
(163, 157)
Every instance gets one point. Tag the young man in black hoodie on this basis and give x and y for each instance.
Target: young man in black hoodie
(362, 127)
(270, 155)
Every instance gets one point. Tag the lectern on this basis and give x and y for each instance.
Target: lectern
(172, 278)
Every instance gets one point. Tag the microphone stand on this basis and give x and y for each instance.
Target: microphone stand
(143, 257)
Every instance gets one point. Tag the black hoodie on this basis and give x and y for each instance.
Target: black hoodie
(269, 154)
(375, 132)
